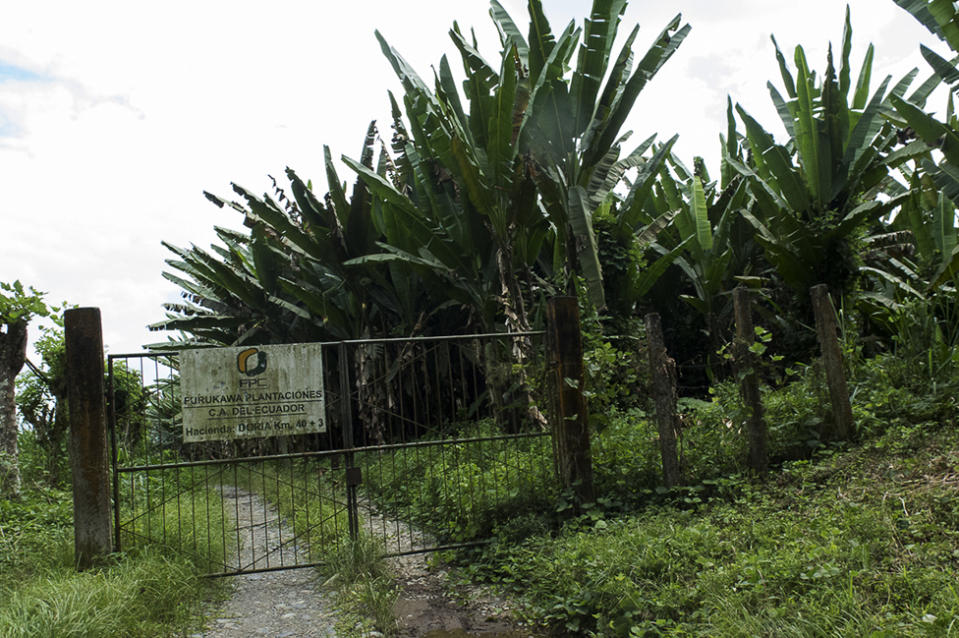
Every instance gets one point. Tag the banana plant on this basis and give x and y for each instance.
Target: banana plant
(287, 281)
(573, 128)
(941, 18)
(463, 191)
(529, 158)
(700, 241)
(928, 217)
(813, 196)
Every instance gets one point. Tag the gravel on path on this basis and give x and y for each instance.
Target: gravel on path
(291, 603)
(279, 604)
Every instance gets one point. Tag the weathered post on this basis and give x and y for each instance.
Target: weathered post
(83, 336)
(745, 361)
(828, 332)
(662, 370)
(564, 343)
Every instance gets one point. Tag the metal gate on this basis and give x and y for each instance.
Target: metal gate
(431, 444)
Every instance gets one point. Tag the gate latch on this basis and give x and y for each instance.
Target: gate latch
(354, 476)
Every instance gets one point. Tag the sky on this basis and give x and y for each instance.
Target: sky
(115, 116)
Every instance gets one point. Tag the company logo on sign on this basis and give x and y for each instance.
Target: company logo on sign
(251, 362)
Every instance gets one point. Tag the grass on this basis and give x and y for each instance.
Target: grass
(365, 588)
(461, 491)
(179, 510)
(149, 592)
(857, 544)
(838, 540)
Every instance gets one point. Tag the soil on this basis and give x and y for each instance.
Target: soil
(292, 603)
(426, 605)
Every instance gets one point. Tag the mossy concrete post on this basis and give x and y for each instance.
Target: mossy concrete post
(570, 422)
(746, 361)
(89, 462)
(828, 332)
(662, 372)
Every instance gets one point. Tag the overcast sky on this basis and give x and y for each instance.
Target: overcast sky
(115, 116)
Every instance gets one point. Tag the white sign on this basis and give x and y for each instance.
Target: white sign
(232, 393)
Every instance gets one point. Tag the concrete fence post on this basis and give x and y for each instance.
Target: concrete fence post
(89, 461)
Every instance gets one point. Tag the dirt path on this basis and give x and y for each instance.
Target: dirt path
(290, 603)
(427, 604)
(278, 604)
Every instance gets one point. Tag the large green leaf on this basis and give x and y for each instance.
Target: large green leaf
(945, 69)
(948, 271)
(509, 31)
(784, 71)
(704, 229)
(862, 84)
(593, 58)
(613, 91)
(501, 151)
(587, 252)
(931, 131)
(662, 49)
(541, 39)
(651, 274)
(816, 166)
(939, 16)
(863, 134)
(631, 212)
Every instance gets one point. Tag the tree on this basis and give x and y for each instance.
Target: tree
(942, 20)
(41, 398)
(17, 307)
(289, 279)
(811, 207)
(528, 160)
(815, 197)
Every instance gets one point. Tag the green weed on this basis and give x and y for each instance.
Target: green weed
(365, 588)
(148, 592)
(461, 491)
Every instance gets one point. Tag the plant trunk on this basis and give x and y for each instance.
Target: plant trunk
(516, 398)
(13, 354)
(827, 330)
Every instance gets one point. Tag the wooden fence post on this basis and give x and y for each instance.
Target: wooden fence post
(662, 370)
(89, 462)
(571, 449)
(746, 361)
(828, 332)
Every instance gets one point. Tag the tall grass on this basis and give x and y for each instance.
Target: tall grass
(148, 591)
(146, 594)
(180, 511)
(365, 588)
